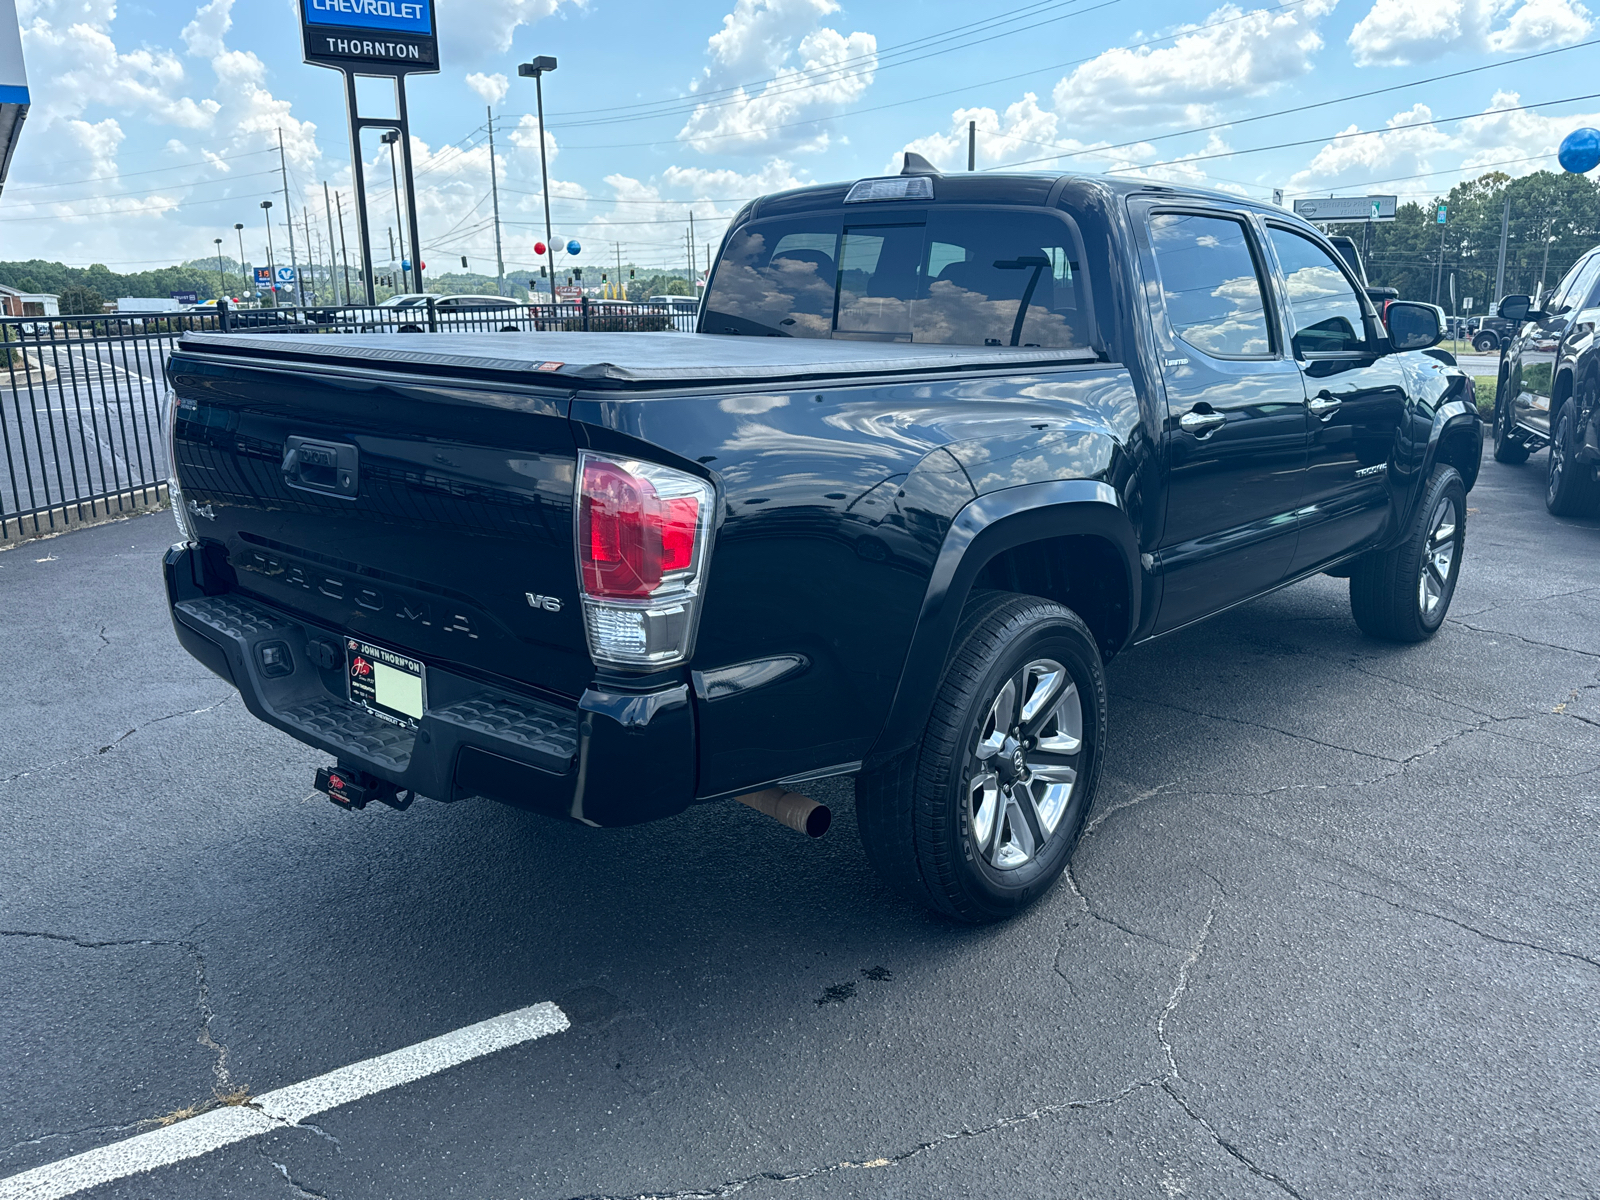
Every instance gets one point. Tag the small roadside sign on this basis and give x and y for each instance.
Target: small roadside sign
(569, 292)
(186, 297)
(1443, 210)
(285, 274)
(1466, 303)
(263, 279)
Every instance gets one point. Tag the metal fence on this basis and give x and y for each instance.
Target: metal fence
(81, 398)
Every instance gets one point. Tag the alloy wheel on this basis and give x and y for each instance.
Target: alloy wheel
(1438, 557)
(1025, 764)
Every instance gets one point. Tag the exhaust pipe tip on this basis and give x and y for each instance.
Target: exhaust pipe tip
(800, 813)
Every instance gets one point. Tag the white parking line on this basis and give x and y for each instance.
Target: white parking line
(282, 1108)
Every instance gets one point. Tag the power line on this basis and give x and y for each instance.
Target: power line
(135, 212)
(1284, 112)
(1332, 137)
(204, 162)
(670, 107)
(140, 191)
(965, 89)
(690, 106)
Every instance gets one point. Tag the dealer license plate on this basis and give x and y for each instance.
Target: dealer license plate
(386, 684)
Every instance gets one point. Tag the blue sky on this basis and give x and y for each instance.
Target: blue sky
(150, 117)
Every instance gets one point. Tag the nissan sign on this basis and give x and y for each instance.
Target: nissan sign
(372, 36)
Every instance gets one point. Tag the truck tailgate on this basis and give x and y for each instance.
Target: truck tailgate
(429, 515)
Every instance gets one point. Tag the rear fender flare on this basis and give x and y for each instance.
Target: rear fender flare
(984, 528)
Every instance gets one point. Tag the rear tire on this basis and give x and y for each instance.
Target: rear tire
(979, 819)
(1403, 594)
(1484, 343)
(1570, 488)
(1506, 448)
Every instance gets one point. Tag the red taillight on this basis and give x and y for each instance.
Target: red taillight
(628, 536)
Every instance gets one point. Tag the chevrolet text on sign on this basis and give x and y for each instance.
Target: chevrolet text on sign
(362, 34)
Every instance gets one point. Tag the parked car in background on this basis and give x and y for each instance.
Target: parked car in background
(678, 304)
(472, 311)
(1548, 391)
(892, 528)
(1487, 334)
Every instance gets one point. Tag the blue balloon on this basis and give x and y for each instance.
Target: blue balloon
(1580, 151)
(405, 264)
(573, 247)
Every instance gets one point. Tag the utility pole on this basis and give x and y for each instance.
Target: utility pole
(333, 283)
(288, 213)
(244, 280)
(344, 248)
(692, 289)
(622, 290)
(392, 259)
(972, 145)
(305, 217)
(494, 190)
(1500, 271)
(1544, 269)
(1438, 274)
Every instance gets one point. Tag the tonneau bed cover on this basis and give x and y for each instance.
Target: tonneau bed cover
(621, 359)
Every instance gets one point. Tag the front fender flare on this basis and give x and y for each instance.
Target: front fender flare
(985, 527)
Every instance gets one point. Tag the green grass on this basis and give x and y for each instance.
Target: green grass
(1485, 394)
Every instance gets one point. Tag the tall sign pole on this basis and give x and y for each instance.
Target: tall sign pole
(288, 216)
(388, 39)
(1500, 271)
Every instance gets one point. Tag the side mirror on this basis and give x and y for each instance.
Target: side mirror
(1516, 308)
(1412, 325)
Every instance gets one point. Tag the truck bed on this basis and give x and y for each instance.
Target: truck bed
(625, 359)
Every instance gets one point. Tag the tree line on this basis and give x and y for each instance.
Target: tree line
(1555, 218)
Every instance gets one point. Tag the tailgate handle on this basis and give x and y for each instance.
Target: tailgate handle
(332, 468)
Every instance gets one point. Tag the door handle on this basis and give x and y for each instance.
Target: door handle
(1202, 424)
(1323, 405)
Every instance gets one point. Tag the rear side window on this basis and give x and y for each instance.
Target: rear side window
(1327, 313)
(1209, 284)
(960, 277)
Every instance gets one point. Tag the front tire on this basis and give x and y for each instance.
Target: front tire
(1484, 343)
(979, 820)
(1403, 594)
(1570, 489)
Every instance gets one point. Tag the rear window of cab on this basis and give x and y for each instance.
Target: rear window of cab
(947, 276)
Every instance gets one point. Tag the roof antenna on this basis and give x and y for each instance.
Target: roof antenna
(917, 165)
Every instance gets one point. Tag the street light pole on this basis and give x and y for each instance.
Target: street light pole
(272, 269)
(244, 283)
(536, 70)
(222, 283)
(389, 139)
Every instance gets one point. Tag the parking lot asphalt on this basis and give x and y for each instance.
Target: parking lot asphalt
(1334, 931)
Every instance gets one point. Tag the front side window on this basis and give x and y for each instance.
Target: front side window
(1209, 284)
(959, 277)
(1575, 288)
(1327, 314)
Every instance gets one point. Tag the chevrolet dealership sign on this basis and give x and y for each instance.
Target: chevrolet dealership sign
(376, 36)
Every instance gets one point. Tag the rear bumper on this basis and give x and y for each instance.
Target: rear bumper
(617, 758)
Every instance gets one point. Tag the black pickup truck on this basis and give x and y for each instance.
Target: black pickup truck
(940, 448)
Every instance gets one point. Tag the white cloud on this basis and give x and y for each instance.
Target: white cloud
(491, 87)
(1024, 126)
(1400, 32)
(1241, 54)
(1501, 139)
(476, 30)
(812, 72)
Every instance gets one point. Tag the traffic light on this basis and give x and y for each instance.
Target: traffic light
(463, 260)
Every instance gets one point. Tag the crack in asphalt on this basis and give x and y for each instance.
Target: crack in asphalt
(112, 745)
(219, 1068)
(1518, 637)
(1228, 1147)
(1289, 733)
(1470, 928)
(1094, 914)
(299, 1188)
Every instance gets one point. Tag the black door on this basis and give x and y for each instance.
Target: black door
(1540, 351)
(1235, 431)
(1355, 399)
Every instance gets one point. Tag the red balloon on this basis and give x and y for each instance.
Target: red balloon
(422, 266)
(538, 247)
